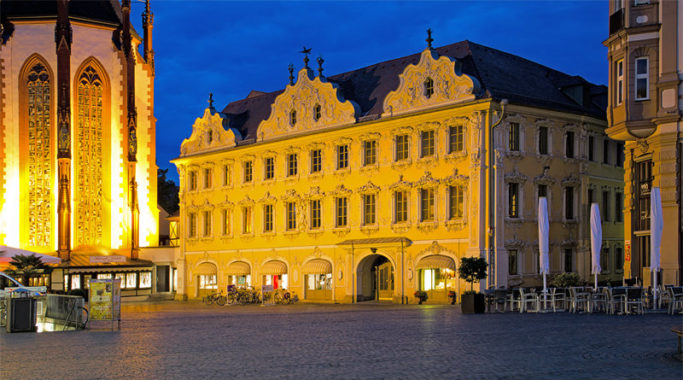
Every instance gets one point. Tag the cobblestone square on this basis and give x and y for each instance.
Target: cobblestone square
(192, 340)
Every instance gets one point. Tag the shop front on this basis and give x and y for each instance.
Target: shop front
(207, 279)
(275, 274)
(436, 275)
(238, 273)
(317, 280)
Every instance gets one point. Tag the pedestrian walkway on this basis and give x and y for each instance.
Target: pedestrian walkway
(192, 340)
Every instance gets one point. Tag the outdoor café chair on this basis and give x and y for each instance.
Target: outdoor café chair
(528, 298)
(578, 299)
(513, 300)
(634, 299)
(676, 295)
(559, 298)
(598, 300)
(616, 298)
(500, 298)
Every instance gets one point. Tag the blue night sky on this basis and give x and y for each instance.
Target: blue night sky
(230, 48)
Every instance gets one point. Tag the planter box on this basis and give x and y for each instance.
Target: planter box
(473, 303)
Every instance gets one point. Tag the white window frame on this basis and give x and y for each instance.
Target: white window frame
(645, 76)
(619, 82)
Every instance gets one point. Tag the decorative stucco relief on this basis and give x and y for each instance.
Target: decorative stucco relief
(446, 85)
(309, 104)
(208, 134)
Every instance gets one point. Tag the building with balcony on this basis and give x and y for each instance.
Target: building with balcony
(372, 184)
(644, 112)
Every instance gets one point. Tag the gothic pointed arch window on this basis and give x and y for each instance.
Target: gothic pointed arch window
(89, 152)
(36, 153)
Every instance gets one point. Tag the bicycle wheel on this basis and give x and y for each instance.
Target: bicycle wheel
(209, 300)
(221, 300)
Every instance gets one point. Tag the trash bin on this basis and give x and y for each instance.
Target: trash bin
(21, 315)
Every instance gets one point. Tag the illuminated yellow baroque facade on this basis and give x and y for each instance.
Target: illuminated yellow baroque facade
(344, 194)
(69, 161)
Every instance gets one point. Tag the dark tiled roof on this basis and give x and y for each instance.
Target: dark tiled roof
(501, 75)
(101, 11)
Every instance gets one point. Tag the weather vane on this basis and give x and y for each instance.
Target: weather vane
(429, 38)
(211, 100)
(291, 73)
(320, 66)
(306, 52)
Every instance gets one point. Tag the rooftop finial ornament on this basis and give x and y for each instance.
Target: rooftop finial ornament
(320, 66)
(211, 100)
(429, 38)
(291, 74)
(306, 52)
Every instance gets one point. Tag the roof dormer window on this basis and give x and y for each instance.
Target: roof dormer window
(429, 87)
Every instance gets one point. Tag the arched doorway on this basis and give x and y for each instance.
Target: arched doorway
(207, 281)
(275, 274)
(317, 280)
(375, 279)
(239, 274)
(436, 276)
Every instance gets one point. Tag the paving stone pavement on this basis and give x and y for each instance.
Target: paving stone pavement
(193, 341)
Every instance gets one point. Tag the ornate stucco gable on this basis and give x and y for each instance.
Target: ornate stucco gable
(447, 86)
(208, 134)
(309, 104)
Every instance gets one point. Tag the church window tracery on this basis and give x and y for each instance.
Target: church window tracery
(90, 158)
(39, 157)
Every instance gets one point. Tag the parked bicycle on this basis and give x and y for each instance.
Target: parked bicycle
(218, 298)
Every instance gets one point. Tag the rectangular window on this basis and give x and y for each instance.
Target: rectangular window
(513, 139)
(400, 206)
(269, 168)
(292, 164)
(620, 154)
(456, 202)
(267, 218)
(619, 73)
(291, 216)
(207, 223)
(193, 180)
(456, 139)
(342, 211)
(591, 148)
(426, 205)
(342, 156)
(644, 185)
(642, 79)
(208, 173)
(192, 230)
(145, 280)
(513, 200)
(369, 209)
(568, 260)
(543, 140)
(569, 203)
(315, 214)
(369, 152)
(512, 262)
(246, 220)
(542, 191)
(401, 147)
(618, 259)
(131, 280)
(248, 171)
(226, 222)
(226, 175)
(316, 161)
(604, 259)
(605, 206)
(605, 151)
(427, 143)
(618, 207)
(569, 145)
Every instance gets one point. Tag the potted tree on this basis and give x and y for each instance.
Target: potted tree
(421, 296)
(473, 269)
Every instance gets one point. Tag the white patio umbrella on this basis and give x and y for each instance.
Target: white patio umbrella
(596, 241)
(7, 253)
(543, 232)
(656, 227)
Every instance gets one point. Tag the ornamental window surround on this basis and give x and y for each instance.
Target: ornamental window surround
(369, 152)
(401, 206)
(268, 217)
(248, 171)
(513, 262)
(290, 209)
(427, 204)
(192, 180)
(342, 156)
(401, 147)
(269, 168)
(226, 222)
(456, 202)
(316, 214)
(207, 223)
(316, 161)
(569, 144)
(227, 175)
(247, 220)
(513, 200)
(543, 141)
(292, 164)
(369, 209)
(427, 143)
(341, 211)
(192, 225)
(569, 204)
(514, 137)
(208, 174)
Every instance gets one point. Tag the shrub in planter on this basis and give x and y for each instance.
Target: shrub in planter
(452, 295)
(421, 295)
(473, 269)
(566, 280)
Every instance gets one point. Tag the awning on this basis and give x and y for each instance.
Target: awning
(238, 268)
(106, 269)
(274, 267)
(317, 266)
(205, 269)
(436, 262)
